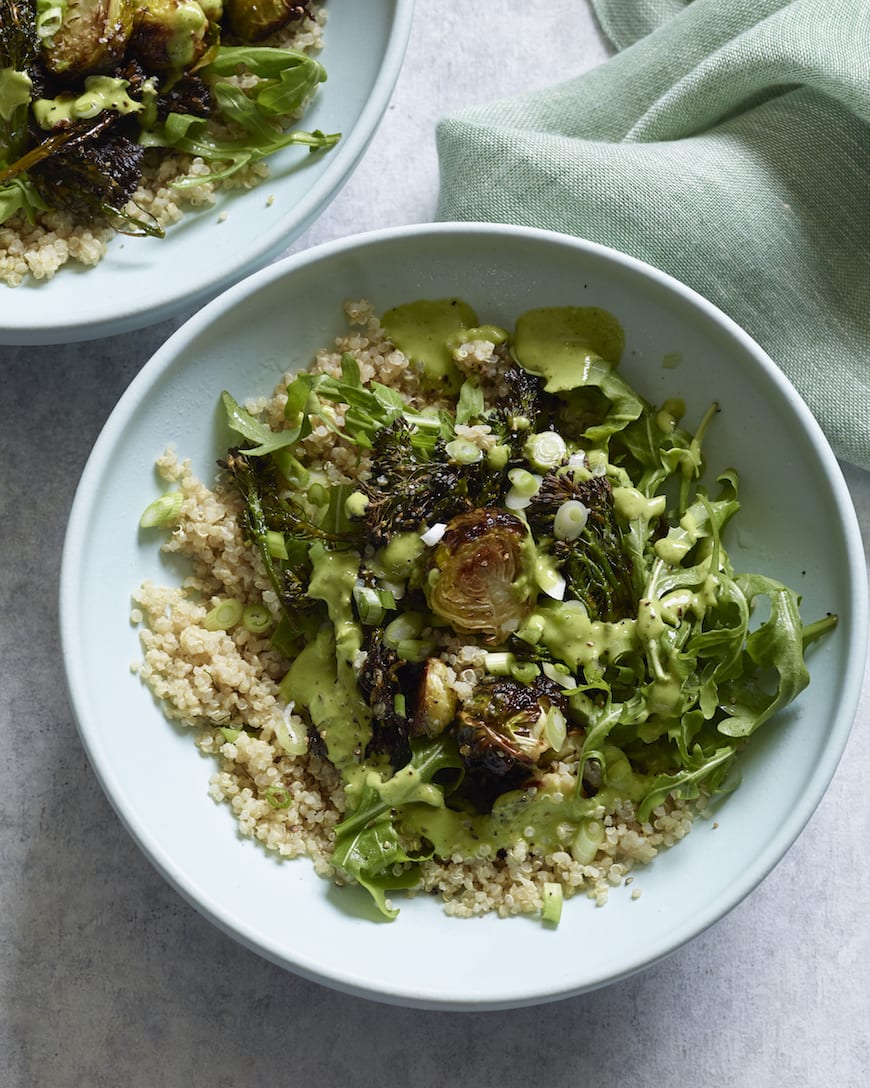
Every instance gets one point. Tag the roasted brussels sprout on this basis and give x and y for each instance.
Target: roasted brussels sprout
(92, 38)
(477, 578)
(436, 700)
(506, 726)
(254, 21)
(173, 35)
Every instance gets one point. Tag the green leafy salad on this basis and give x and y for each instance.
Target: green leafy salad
(514, 615)
(88, 88)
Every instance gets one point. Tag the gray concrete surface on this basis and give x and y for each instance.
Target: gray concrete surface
(108, 978)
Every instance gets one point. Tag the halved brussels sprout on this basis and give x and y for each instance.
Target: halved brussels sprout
(506, 726)
(436, 700)
(92, 37)
(254, 21)
(477, 578)
(173, 35)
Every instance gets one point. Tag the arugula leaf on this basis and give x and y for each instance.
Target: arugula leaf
(625, 404)
(261, 434)
(287, 80)
(192, 135)
(709, 772)
(18, 195)
(370, 407)
(367, 846)
(777, 645)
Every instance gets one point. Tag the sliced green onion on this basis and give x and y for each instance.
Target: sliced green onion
(356, 504)
(277, 796)
(551, 908)
(163, 511)
(415, 650)
(570, 520)
(257, 619)
(549, 579)
(404, 627)
(555, 728)
(545, 451)
(524, 487)
(49, 20)
(524, 671)
(291, 734)
(368, 604)
(224, 615)
(462, 452)
(399, 704)
(498, 457)
(524, 482)
(276, 544)
(589, 837)
(231, 735)
(293, 471)
(560, 674)
(499, 663)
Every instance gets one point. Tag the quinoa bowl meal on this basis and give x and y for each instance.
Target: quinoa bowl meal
(453, 583)
(153, 153)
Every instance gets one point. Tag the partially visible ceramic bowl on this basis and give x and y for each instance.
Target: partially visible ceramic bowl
(797, 523)
(145, 280)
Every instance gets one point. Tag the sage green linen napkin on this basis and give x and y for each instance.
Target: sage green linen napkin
(728, 144)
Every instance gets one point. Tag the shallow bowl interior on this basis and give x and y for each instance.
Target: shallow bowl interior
(797, 523)
(145, 280)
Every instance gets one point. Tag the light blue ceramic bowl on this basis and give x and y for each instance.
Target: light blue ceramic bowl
(797, 523)
(145, 280)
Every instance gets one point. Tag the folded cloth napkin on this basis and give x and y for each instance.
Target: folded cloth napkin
(727, 144)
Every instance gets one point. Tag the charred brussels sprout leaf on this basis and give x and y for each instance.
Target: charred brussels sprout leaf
(190, 95)
(436, 700)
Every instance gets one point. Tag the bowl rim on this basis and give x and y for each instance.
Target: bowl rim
(410, 995)
(341, 163)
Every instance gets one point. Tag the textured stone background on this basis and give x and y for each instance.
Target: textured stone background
(109, 978)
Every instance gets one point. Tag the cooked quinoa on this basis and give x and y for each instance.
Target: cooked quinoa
(217, 681)
(38, 250)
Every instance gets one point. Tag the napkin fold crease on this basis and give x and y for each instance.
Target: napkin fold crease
(727, 144)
